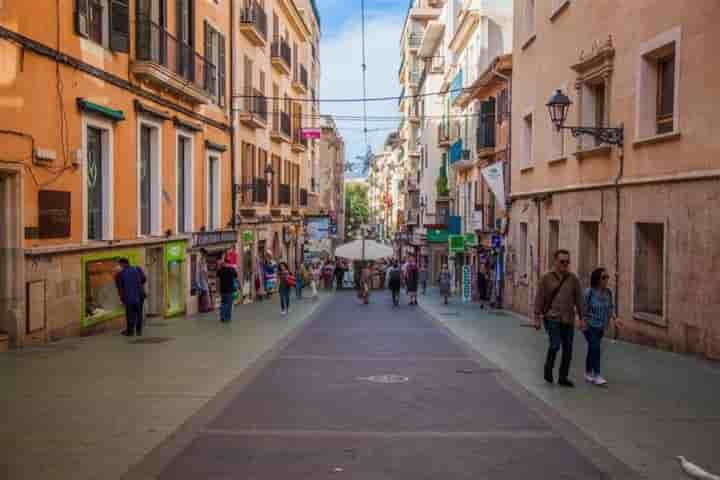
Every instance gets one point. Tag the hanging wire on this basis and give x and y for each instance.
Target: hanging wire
(364, 73)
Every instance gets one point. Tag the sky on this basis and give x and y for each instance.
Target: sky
(341, 72)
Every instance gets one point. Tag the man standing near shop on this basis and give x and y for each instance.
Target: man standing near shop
(558, 302)
(129, 282)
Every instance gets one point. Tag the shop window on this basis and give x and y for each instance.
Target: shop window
(175, 265)
(97, 175)
(649, 276)
(588, 252)
(214, 190)
(101, 301)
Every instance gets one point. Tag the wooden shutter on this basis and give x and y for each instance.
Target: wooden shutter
(208, 52)
(221, 70)
(81, 18)
(119, 26)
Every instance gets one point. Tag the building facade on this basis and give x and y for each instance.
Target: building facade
(116, 133)
(331, 176)
(642, 210)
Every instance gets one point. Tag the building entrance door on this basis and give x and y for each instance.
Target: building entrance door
(155, 287)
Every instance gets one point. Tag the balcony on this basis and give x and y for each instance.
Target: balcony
(253, 23)
(284, 195)
(253, 112)
(303, 197)
(443, 135)
(281, 131)
(414, 40)
(260, 192)
(281, 56)
(426, 10)
(299, 143)
(459, 157)
(162, 60)
(486, 138)
(300, 80)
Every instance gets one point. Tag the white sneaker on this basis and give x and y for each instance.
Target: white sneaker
(600, 381)
(590, 378)
(283, 312)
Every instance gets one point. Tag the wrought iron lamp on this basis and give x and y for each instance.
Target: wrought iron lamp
(558, 106)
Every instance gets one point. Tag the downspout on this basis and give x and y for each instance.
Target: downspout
(232, 116)
(621, 171)
(508, 157)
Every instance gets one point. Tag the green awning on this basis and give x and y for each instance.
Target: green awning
(107, 112)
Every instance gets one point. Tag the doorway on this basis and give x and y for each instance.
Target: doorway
(155, 287)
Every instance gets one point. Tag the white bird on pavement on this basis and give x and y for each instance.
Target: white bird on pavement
(694, 471)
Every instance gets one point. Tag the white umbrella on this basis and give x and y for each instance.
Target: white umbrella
(364, 250)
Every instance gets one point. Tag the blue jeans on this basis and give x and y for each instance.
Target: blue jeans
(284, 298)
(561, 336)
(299, 288)
(226, 306)
(594, 339)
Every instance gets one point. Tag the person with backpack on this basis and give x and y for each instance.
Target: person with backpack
(599, 312)
(394, 282)
(130, 283)
(558, 300)
(412, 279)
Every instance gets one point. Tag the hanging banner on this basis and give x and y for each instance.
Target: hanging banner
(493, 176)
(310, 133)
(466, 284)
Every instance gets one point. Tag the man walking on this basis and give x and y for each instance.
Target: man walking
(395, 282)
(228, 279)
(559, 298)
(129, 282)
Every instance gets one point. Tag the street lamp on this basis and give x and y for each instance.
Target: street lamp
(558, 107)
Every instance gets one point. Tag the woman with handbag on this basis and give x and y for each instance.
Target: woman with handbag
(286, 281)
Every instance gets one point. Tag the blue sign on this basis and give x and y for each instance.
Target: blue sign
(496, 241)
(454, 225)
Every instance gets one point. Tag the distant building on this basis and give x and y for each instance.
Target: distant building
(330, 180)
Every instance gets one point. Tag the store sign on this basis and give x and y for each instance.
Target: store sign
(175, 252)
(466, 284)
(248, 237)
(53, 214)
(204, 239)
(456, 243)
(437, 235)
(477, 220)
(493, 176)
(310, 133)
(471, 240)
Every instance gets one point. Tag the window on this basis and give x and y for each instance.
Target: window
(526, 161)
(594, 109)
(588, 251)
(658, 85)
(522, 249)
(149, 184)
(553, 241)
(98, 179)
(184, 179)
(214, 191)
(215, 70)
(649, 275)
(558, 143)
(95, 15)
(185, 37)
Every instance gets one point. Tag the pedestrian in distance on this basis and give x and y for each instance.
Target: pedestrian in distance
(599, 312)
(228, 280)
(558, 303)
(316, 273)
(365, 278)
(395, 282)
(423, 278)
(130, 283)
(285, 282)
(203, 285)
(444, 281)
(339, 274)
(412, 279)
(301, 280)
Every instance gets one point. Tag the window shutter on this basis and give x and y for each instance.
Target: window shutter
(81, 18)
(207, 50)
(119, 26)
(221, 70)
(483, 130)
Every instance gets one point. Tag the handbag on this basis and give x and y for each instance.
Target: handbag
(552, 297)
(291, 281)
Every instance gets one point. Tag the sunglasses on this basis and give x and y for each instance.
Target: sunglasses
(564, 262)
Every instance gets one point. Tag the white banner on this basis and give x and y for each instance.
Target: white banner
(493, 176)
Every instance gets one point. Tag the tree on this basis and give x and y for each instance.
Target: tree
(357, 209)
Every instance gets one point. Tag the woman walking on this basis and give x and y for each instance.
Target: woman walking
(301, 281)
(444, 281)
(599, 312)
(284, 284)
(203, 285)
(315, 273)
(412, 277)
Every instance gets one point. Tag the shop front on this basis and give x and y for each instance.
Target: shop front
(99, 299)
(437, 245)
(175, 263)
(208, 247)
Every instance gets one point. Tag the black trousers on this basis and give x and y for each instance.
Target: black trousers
(134, 316)
(561, 336)
(395, 295)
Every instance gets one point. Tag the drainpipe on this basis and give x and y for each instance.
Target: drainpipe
(233, 193)
(508, 156)
(621, 171)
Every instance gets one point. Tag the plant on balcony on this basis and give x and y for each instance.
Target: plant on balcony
(441, 184)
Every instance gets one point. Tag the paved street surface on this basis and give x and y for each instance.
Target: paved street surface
(271, 397)
(375, 392)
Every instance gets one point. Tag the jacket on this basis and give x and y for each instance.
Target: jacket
(567, 302)
(129, 283)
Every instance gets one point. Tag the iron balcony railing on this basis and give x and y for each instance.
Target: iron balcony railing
(281, 49)
(284, 194)
(155, 44)
(486, 137)
(253, 14)
(256, 103)
(260, 192)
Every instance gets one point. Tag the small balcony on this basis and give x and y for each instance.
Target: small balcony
(162, 60)
(281, 131)
(260, 192)
(443, 135)
(281, 56)
(284, 195)
(486, 138)
(300, 80)
(426, 10)
(461, 161)
(254, 24)
(253, 112)
(299, 144)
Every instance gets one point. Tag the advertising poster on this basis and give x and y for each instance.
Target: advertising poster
(466, 284)
(317, 238)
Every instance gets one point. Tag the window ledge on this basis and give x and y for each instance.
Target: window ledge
(529, 168)
(557, 160)
(559, 9)
(530, 40)
(651, 318)
(665, 137)
(600, 151)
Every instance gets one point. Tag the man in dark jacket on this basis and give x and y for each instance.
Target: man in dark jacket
(228, 279)
(129, 282)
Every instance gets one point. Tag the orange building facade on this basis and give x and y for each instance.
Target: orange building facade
(115, 134)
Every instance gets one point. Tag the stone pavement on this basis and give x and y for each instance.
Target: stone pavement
(375, 392)
(89, 408)
(658, 404)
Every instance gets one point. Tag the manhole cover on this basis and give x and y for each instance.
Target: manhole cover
(151, 340)
(385, 379)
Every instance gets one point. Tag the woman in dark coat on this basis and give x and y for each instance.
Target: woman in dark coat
(412, 279)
